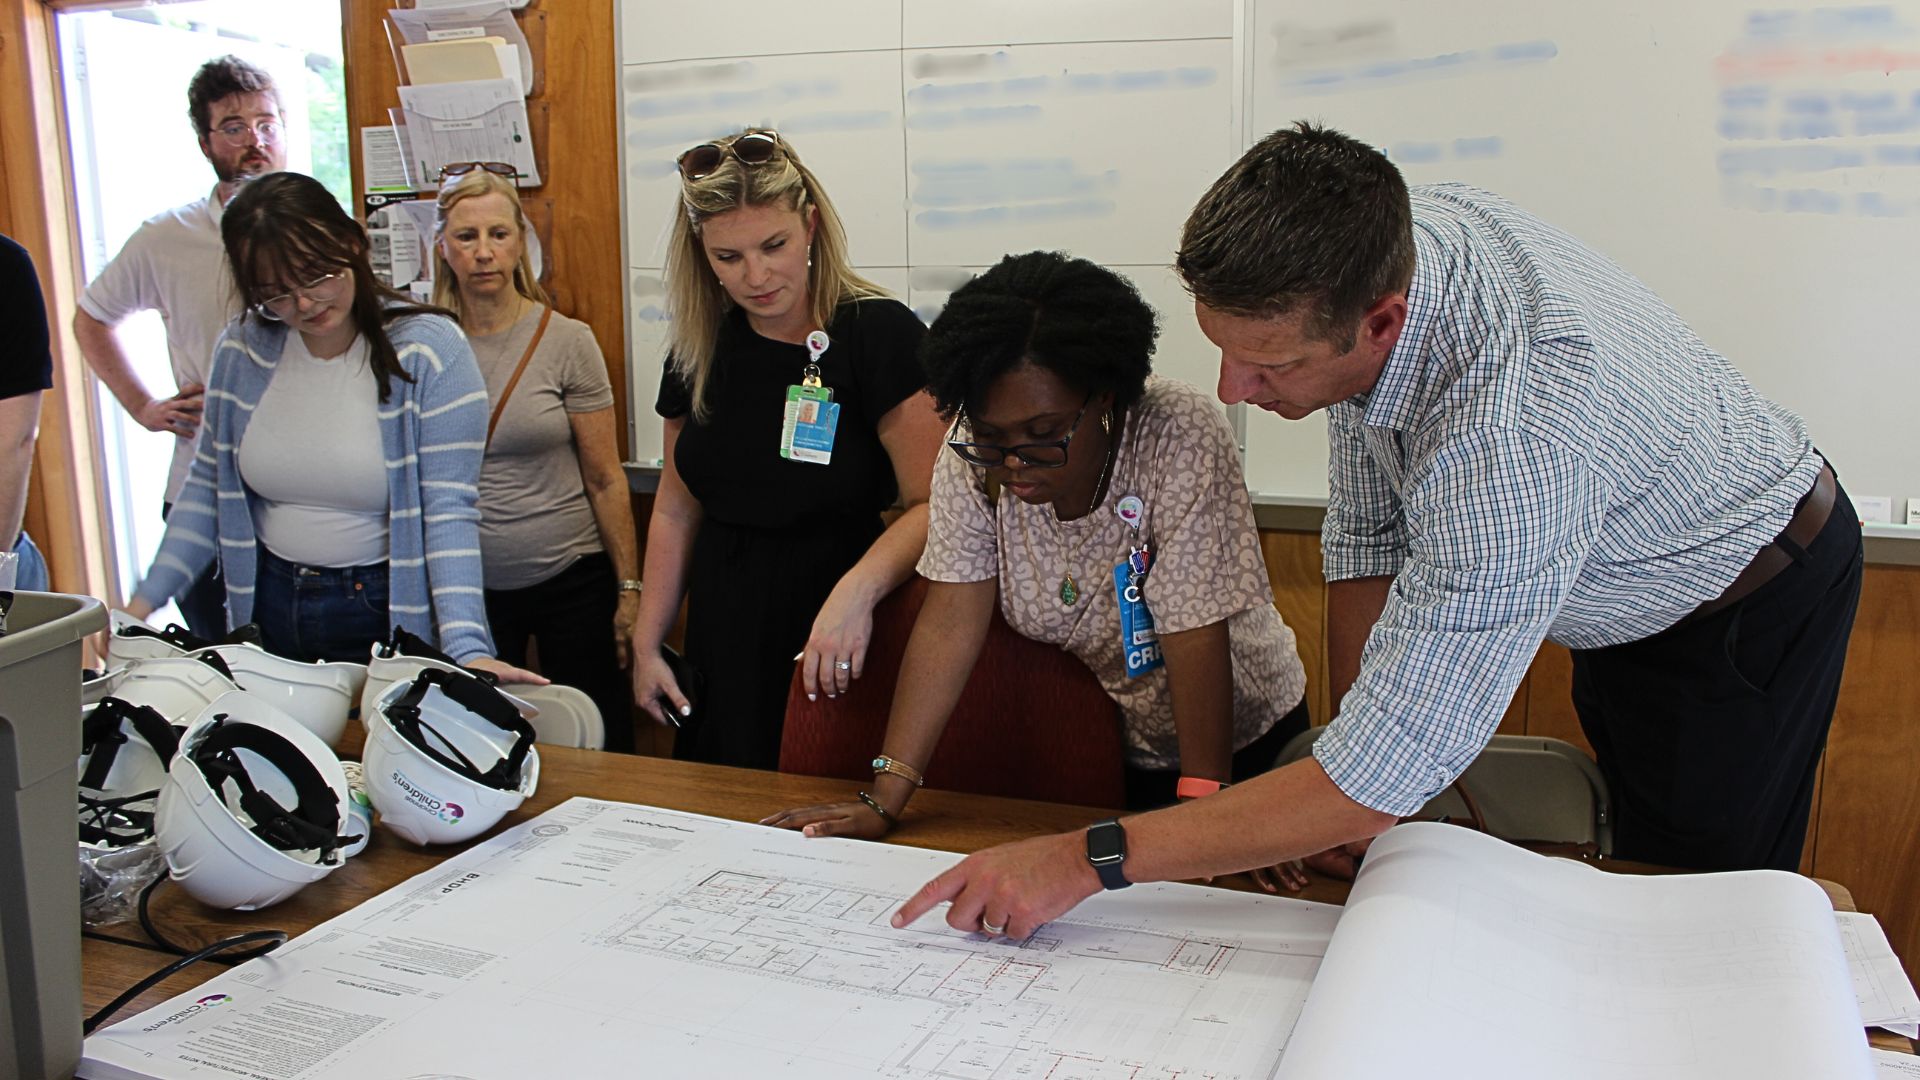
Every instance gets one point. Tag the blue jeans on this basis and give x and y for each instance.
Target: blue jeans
(30, 575)
(320, 612)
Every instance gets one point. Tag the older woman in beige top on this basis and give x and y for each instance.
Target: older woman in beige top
(556, 529)
(1104, 509)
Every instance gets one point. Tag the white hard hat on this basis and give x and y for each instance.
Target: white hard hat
(124, 752)
(134, 639)
(447, 756)
(405, 655)
(253, 808)
(319, 695)
(178, 686)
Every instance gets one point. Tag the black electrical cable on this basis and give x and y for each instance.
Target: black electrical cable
(146, 923)
(276, 937)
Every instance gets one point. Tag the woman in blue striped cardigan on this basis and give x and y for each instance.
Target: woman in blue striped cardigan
(337, 470)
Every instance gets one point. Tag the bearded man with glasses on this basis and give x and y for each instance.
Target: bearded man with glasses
(174, 264)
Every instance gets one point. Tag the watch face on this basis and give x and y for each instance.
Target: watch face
(1106, 842)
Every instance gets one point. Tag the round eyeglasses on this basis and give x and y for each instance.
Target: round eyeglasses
(240, 133)
(322, 290)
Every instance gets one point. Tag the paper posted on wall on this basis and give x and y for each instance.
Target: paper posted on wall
(483, 120)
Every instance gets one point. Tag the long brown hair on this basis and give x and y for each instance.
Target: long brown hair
(286, 227)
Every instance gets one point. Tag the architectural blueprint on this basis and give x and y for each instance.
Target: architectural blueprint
(603, 939)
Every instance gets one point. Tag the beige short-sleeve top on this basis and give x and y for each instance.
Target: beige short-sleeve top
(1178, 457)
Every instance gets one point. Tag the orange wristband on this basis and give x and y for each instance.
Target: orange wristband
(1192, 787)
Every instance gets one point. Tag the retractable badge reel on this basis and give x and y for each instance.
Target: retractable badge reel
(1139, 637)
(812, 415)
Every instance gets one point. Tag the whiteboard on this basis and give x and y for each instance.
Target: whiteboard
(1759, 168)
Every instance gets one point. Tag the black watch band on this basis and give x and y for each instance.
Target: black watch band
(1107, 852)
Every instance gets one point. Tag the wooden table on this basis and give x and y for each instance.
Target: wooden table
(943, 820)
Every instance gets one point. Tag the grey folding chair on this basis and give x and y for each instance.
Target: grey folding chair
(1523, 787)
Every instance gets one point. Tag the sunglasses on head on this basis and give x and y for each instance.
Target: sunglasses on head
(752, 148)
(462, 168)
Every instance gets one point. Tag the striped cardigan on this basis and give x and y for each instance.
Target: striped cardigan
(433, 431)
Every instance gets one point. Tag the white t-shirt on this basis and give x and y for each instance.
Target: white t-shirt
(174, 263)
(313, 460)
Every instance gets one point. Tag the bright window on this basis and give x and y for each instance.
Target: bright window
(135, 153)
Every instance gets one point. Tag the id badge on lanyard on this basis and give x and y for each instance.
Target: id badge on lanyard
(812, 416)
(1139, 638)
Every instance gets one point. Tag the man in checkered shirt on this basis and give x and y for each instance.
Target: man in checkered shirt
(1525, 444)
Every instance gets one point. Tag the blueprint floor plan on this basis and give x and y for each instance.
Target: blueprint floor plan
(603, 939)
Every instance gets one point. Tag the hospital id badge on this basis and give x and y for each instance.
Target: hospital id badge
(806, 434)
(1139, 640)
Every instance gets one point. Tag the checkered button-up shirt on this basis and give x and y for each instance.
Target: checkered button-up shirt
(1550, 452)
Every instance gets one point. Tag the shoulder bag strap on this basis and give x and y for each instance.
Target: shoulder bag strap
(500, 406)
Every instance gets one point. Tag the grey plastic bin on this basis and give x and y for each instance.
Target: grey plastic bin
(39, 832)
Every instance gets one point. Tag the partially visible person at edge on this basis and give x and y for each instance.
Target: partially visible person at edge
(174, 263)
(26, 370)
(339, 467)
(1080, 484)
(556, 521)
(1526, 444)
(777, 554)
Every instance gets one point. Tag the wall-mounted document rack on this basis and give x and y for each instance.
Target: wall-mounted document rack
(473, 121)
(442, 27)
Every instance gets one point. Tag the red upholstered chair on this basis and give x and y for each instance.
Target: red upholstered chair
(1033, 722)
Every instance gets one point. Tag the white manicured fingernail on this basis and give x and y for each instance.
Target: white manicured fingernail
(686, 710)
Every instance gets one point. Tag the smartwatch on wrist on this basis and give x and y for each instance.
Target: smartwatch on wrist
(1107, 851)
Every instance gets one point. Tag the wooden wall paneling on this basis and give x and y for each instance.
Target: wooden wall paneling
(1869, 812)
(1293, 567)
(66, 505)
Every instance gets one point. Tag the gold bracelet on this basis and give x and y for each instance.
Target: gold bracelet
(885, 764)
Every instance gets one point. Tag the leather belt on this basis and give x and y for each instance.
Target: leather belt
(1809, 517)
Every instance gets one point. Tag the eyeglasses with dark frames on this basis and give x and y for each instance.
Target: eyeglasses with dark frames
(321, 290)
(751, 148)
(1045, 455)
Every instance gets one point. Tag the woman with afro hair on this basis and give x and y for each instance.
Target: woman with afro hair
(1104, 509)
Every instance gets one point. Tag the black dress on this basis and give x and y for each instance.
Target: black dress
(776, 534)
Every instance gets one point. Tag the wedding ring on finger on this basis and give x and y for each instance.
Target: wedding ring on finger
(989, 928)
(843, 665)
